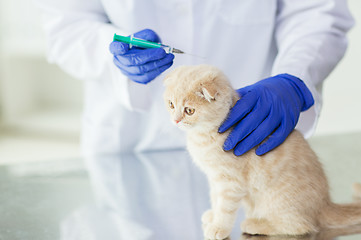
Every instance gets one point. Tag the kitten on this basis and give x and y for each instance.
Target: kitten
(284, 192)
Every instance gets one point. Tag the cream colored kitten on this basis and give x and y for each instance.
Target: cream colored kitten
(284, 192)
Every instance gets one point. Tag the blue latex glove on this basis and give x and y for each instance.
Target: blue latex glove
(270, 107)
(138, 64)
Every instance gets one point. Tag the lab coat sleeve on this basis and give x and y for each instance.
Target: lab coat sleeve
(311, 39)
(78, 34)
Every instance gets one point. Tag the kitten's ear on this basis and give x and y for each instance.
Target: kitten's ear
(208, 92)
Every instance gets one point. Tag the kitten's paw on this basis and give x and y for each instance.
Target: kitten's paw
(207, 216)
(214, 231)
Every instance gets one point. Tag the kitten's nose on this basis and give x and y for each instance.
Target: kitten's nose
(176, 121)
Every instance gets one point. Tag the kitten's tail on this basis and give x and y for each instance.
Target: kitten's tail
(343, 215)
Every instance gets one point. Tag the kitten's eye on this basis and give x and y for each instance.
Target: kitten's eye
(189, 111)
(171, 105)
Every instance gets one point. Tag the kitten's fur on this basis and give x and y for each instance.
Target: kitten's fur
(284, 192)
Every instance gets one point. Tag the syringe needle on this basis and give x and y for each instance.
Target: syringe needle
(174, 50)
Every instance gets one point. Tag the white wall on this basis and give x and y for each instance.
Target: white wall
(342, 90)
(40, 105)
(34, 95)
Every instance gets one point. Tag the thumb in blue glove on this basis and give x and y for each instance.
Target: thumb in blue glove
(269, 108)
(141, 65)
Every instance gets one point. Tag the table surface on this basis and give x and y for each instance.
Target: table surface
(158, 195)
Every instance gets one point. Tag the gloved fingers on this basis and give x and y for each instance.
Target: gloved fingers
(240, 109)
(136, 57)
(149, 76)
(247, 125)
(147, 67)
(257, 136)
(118, 48)
(276, 138)
(147, 34)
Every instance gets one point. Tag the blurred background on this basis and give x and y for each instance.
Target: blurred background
(40, 105)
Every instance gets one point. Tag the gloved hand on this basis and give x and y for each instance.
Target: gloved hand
(270, 107)
(141, 65)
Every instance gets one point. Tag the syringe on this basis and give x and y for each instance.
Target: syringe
(132, 41)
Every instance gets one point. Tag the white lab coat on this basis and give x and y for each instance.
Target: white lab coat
(249, 40)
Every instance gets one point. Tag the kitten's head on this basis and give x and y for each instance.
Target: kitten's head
(198, 97)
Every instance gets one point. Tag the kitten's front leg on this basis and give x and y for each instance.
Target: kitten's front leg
(207, 216)
(224, 212)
